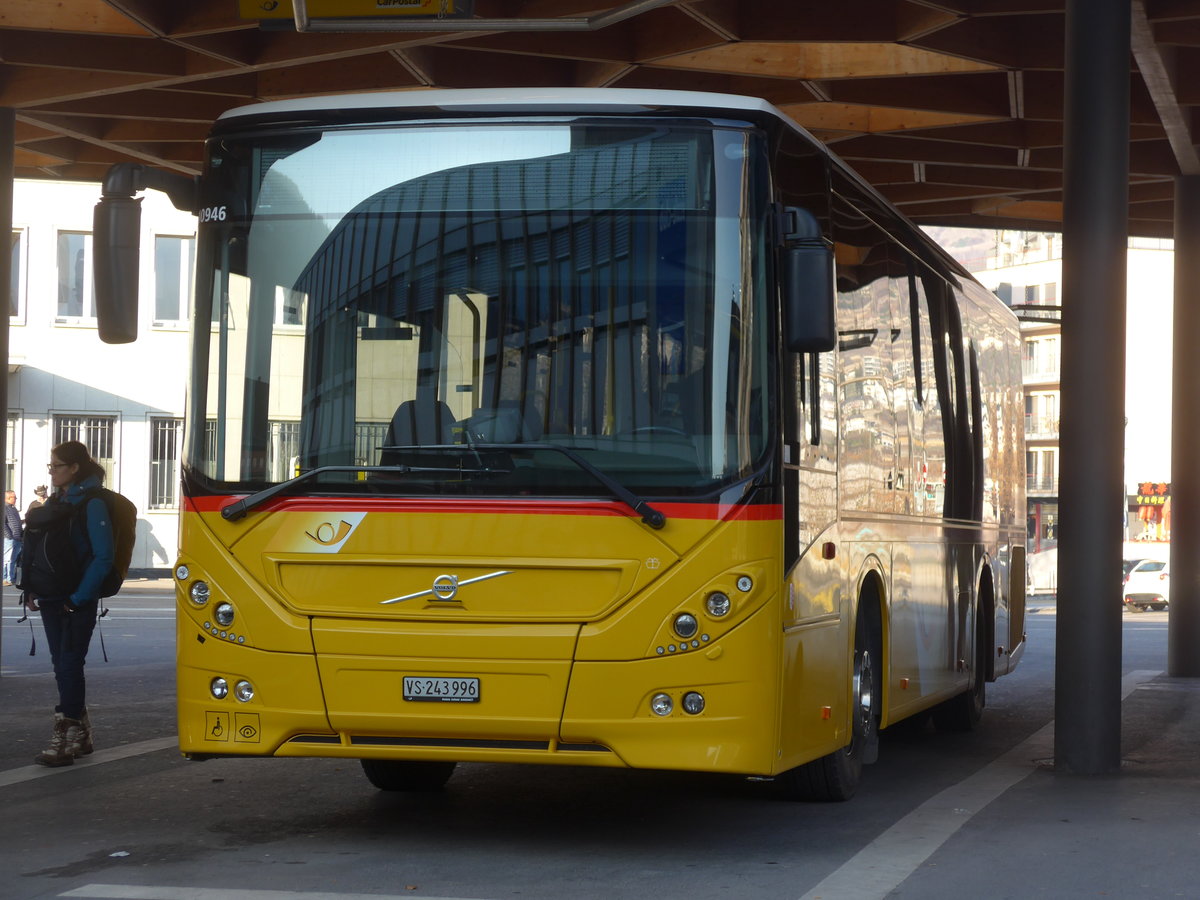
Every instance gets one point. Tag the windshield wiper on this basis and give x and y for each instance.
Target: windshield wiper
(239, 508)
(650, 516)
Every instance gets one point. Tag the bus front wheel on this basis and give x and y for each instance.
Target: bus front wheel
(417, 776)
(836, 776)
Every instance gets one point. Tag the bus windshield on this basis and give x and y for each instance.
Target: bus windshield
(450, 305)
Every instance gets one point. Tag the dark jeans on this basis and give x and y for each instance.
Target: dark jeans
(69, 632)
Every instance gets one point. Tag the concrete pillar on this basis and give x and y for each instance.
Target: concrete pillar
(1183, 630)
(1087, 734)
(7, 138)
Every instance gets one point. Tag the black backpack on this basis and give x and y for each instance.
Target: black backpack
(123, 515)
(50, 567)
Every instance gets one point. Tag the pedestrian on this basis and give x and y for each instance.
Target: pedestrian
(12, 535)
(38, 499)
(70, 619)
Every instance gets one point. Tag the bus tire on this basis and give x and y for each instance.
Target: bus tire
(416, 776)
(836, 776)
(963, 712)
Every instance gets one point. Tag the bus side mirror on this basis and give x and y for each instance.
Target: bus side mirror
(116, 242)
(808, 284)
(116, 239)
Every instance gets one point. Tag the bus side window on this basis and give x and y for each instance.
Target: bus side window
(918, 313)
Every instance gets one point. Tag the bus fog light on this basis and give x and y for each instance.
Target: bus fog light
(662, 704)
(693, 703)
(224, 614)
(182, 573)
(686, 625)
(244, 691)
(717, 604)
(199, 593)
(219, 688)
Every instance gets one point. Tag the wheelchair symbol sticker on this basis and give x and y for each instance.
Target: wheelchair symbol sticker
(216, 726)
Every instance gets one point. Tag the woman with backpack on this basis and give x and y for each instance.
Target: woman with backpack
(69, 598)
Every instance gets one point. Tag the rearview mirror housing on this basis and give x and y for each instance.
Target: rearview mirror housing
(808, 287)
(116, 236)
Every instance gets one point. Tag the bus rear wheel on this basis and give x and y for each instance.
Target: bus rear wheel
(417, 776)
(836, 776)
(964, 711)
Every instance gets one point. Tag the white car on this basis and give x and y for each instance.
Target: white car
(1147, 586)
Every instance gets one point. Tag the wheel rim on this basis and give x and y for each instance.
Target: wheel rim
(864, 697)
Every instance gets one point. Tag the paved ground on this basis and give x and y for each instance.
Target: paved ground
(1006, 827)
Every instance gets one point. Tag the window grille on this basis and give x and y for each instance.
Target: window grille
(94, 432)
(165, 435)
(368, 438)
(284, 452)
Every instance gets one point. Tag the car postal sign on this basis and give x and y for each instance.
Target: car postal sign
(346, 9)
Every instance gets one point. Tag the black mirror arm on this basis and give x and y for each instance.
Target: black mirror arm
(126, 179)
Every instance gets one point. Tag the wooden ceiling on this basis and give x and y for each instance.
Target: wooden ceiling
(952, 108)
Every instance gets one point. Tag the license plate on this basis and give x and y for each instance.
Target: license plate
(441, 690)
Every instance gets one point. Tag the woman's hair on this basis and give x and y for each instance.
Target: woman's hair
(75, 453)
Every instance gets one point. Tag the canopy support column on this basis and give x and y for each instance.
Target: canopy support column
(1087, 706)
(8, 118)
(1183, 629)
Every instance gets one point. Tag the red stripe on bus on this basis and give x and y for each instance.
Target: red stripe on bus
(712, 511)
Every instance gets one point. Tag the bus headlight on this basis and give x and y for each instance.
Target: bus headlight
(199, 593)
(693, 703)
(717, 604)
(244, 691)
(224, 614)
(219, 688)
(661, 704)
(182, 573)
(686, 626)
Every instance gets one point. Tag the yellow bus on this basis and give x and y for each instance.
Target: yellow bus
(585, 427)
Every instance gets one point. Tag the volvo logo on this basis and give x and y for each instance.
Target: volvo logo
(445, 588)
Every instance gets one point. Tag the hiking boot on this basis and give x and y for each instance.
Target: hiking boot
(79, 737)
(59, 752)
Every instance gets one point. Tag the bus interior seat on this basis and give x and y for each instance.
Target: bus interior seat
(418, 423)
(507, 423)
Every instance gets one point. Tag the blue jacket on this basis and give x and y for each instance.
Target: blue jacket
(12, 523)
(98, 544)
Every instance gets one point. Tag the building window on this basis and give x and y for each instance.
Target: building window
(10, 453)
(174, 258)
(289, 306)
(165, 436)
(94, 432)
(16, 287)
(283, 457)
(76, 297)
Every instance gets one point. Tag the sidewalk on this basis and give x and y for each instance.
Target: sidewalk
(1132, 834)
(148, 580)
